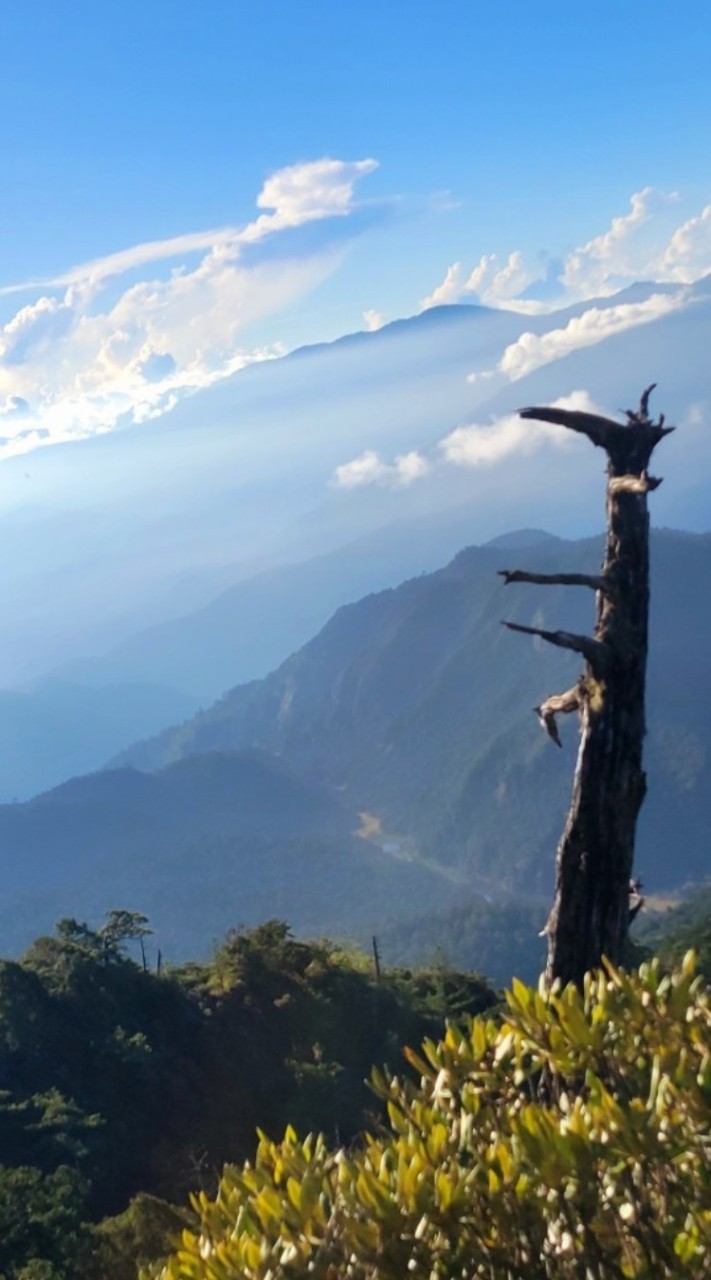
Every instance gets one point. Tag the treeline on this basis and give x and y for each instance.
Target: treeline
(123, 1089)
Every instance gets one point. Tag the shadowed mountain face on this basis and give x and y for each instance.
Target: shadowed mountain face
(416, 705)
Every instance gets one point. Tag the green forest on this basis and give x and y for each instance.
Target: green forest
(125, 1092)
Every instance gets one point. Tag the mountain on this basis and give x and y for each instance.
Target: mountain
(249, 629)
(415, 705)
(151, 522)
(406, 719)
(88, 710)
(56, 728)
(207, 844)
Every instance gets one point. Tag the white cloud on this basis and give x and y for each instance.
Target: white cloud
(116, 264)
(83, 366)
(450, 290)
(485, 444)
(494, 284)
(641, 244)
(14, 407)
(490, 283)
(410, 466)
(369, 468)
(687, 257)
(626, 251)
(373, 320)
(474, 445)
(306, 192)
(532, 350)
(296, 195)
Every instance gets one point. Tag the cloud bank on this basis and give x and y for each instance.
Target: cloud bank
(476, 444)
(531, 350)
(81, 358)
(641, 244)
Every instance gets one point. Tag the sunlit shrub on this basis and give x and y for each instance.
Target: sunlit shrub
(570, 1138)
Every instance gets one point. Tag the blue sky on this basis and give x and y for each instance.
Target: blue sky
(461, 130)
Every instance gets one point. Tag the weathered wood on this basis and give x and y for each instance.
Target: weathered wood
(593, 580)
(593, 900)
(558, 704)
(629, 446)
(594, 651)
(633, 484)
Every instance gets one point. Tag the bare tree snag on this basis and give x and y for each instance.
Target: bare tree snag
(592, 904)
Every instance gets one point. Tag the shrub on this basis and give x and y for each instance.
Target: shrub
(568, 1139)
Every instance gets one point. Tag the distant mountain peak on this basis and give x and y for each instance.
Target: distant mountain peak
(521, 538)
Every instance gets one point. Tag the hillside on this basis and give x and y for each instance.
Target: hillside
(120, 1082)
(247, 630)
(406, 719)
(210, 841)
(416, 705)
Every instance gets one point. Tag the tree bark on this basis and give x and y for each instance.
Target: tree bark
(590, 913)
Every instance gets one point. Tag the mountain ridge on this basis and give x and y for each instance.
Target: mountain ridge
(415, 702)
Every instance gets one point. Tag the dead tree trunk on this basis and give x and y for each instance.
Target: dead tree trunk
(590, 914)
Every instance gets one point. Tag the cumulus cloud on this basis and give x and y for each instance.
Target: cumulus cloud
(493, 283)
(373, 319)
(687, 257)
(476, 444)
(485, 444)
(450, 290)
(641, 244)
(490, 282)
(638, 245)
(600, 265)
(164, 337)
(369, 468)
(307, 192)
(532, 350)
(15, 407)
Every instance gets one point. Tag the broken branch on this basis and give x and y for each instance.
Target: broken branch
(599, 430)
(596, 652)
(641, 415)
(595, 581)
(557, 704)
(629, 446)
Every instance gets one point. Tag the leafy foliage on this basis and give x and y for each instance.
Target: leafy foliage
(497, 938)
(144, 1232)
(671, 933)
(120, 1086)
(569, 1139)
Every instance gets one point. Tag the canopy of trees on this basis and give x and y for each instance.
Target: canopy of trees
(117, 1083)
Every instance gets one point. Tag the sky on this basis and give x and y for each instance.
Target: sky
(190, 188)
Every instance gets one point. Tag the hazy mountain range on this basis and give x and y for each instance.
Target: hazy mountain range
(130, 529)
(197, 551)
(407, 720)
(158, 565)
(415, 705)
